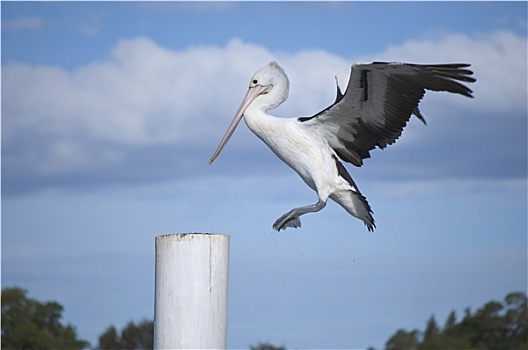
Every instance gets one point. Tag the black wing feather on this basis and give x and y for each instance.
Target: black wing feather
(379, 101)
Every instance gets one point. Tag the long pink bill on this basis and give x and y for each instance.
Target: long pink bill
(251, 95)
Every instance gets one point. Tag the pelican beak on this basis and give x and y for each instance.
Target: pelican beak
(251, 95)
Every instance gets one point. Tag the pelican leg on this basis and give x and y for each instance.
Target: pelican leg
(291, 218)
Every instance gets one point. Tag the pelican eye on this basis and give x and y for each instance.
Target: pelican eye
(254, 82)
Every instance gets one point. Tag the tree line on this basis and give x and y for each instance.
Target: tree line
(30, 324)
(494, 326)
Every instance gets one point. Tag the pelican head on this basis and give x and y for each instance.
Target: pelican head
(268, 88)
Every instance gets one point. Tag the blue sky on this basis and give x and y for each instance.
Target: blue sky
(110, 112)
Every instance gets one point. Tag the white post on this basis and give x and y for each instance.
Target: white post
(190, 306)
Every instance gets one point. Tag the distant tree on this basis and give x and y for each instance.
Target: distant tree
(431, 329)
(132, 336)
(403, 340)
(484, 326)
(109, 339)
(450, 321)
(467, 312)
(30, 324)
(266, 346)
(516, 315)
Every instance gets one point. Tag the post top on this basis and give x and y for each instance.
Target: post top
(190, 236)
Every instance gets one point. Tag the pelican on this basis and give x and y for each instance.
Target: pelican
(370, 110)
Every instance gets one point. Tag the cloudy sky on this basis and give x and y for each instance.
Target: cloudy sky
(110, 112)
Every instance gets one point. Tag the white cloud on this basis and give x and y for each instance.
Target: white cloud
(145, 95)
(498, 61)
(24, 24)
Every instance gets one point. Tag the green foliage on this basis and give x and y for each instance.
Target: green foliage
(140, 336)
(403, 340)
(494, 326)
(266, 346)
(431, 330)
(451, 320)
(29, 324)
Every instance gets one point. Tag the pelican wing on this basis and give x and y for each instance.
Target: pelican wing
(378, 102)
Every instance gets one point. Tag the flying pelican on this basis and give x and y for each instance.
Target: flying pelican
(371, 110)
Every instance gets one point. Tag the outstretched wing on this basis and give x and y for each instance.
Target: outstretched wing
(378, 102)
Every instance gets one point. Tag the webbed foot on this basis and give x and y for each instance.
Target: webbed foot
(289, 219)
